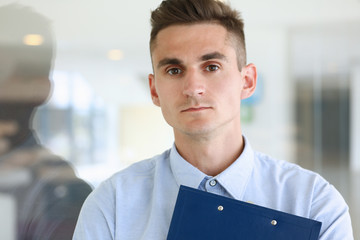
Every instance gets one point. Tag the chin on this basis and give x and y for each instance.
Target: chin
(199, 130)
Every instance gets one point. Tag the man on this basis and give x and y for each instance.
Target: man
(200, 77)
(44, 189)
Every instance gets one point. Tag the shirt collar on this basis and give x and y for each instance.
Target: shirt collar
(234, 179)
(184, 173)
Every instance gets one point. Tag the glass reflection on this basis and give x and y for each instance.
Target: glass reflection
(39, 191)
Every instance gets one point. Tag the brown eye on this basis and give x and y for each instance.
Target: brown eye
(174, 71)
(212, 68)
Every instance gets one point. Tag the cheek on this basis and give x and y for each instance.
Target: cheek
(169, 114)
(229, 88)
(167, 93)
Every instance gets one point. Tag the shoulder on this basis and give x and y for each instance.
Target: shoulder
(293, 178)
(305, 188)
(283, 170)
(310, 195)
(113, 200)
(141, 170)
(138, 175)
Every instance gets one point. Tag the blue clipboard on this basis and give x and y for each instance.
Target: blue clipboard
(201, 215)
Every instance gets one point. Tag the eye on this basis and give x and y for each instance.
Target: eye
(174, 71)
(212, 68)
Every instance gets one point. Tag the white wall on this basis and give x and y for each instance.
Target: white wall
(355, 119)
(144, 133)
(271, 131)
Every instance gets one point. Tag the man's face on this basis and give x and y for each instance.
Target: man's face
(196, 80)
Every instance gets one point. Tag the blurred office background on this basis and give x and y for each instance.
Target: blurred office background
(306, 108)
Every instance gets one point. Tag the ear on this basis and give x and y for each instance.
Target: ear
(154, 95)
(249, 77)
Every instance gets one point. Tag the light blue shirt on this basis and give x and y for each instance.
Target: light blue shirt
(138, 202)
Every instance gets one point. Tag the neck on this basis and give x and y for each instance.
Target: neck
(210, 154)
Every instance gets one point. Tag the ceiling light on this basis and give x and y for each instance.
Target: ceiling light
(115, 55)
(33, 40)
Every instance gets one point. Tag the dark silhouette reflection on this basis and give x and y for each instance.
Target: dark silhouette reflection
(44, 189)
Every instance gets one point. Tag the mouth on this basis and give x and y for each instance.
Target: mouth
(195, 109)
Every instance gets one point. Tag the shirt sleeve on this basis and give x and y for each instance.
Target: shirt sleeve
(96, 219)
(330, 208)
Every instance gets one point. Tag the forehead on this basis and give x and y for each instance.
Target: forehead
(180, 40)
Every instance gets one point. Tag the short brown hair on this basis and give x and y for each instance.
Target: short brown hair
(175, 12)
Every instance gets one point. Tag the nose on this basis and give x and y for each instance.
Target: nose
(194, 84)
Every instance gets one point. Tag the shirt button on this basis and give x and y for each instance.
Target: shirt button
(213, 182)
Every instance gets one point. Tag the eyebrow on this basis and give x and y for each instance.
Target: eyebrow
(176, 61)
(169, 61)
(214, 55)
